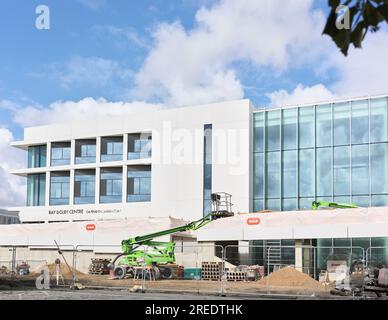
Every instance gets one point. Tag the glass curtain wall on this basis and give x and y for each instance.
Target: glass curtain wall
(37, 156)
(333, 152)
(36, 190)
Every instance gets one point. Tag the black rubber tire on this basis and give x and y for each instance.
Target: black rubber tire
(120, 272)
(166, 273)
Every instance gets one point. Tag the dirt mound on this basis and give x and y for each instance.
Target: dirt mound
(289, 277)
(64, 270)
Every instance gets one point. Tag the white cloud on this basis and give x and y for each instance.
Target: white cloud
(124, 35)
(93, 4)
(363, 72)
(300, 95)
(85, 109)
(13, 189)
(93, 71)
(194, 66)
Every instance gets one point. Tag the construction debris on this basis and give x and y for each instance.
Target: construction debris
(99, 266)
(4, 270)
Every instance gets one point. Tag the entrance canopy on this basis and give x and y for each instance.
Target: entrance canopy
(337, 223)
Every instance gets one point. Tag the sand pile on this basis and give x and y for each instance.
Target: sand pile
(289, 277)
(64, 270)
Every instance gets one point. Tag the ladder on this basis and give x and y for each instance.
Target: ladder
(273, 254)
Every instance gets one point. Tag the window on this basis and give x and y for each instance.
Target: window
(379, 168)
(341, 124)
(379, 120)
(324, 172)
(360, 170)
(258, 186)
(139, 184)
(139, 146)
(273, 204)
(273, 130)
(306, 172)
(111, 149)
(36, 190)
(37, 156)
(207, 168)
(360, 122)
(306, 127)
(59, 188)
(341, 171)
(324, 125)
(289, 204)
(111, 185)
(290, 180)
(259, 132)
(85, 151)
(84, 187)
(60, 153)
(289, 129)
(273, 174)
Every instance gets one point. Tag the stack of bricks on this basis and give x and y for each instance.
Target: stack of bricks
(236, 275)
(211, 270)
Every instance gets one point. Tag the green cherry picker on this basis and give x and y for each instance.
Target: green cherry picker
(144, 251)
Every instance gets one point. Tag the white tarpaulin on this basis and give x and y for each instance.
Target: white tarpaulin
(93, 233)
(337, 223)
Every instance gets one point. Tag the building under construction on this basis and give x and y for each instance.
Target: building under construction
(96, 183)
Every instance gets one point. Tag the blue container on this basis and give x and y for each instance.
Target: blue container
(192, 274)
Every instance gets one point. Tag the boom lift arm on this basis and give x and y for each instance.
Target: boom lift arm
(128, 245)
(317, 204)
(143, 250)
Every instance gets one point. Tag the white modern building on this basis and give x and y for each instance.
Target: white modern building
(160, 164)
(168, 163)
(9, 217)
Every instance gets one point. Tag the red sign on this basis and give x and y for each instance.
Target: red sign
(253, 221)
(90, 227)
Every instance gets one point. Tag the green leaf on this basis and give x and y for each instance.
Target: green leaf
(371, 15)
(383, 10)
(334, 3)
(358, 34)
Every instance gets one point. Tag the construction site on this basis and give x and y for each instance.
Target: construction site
(219, 268)
(302, 210)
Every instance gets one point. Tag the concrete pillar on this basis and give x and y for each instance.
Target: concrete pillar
(299, 255)
(47, 195)
(124, 186)
(72, 178)
(97, 187)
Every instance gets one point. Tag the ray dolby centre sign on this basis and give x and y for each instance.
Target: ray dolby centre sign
(81, 211)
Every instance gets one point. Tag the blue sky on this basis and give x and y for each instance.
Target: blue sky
(104, 57)
(32, 60)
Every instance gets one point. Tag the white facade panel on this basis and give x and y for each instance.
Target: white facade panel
(177, 161)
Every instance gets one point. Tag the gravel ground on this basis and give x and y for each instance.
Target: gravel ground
(98, 295)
